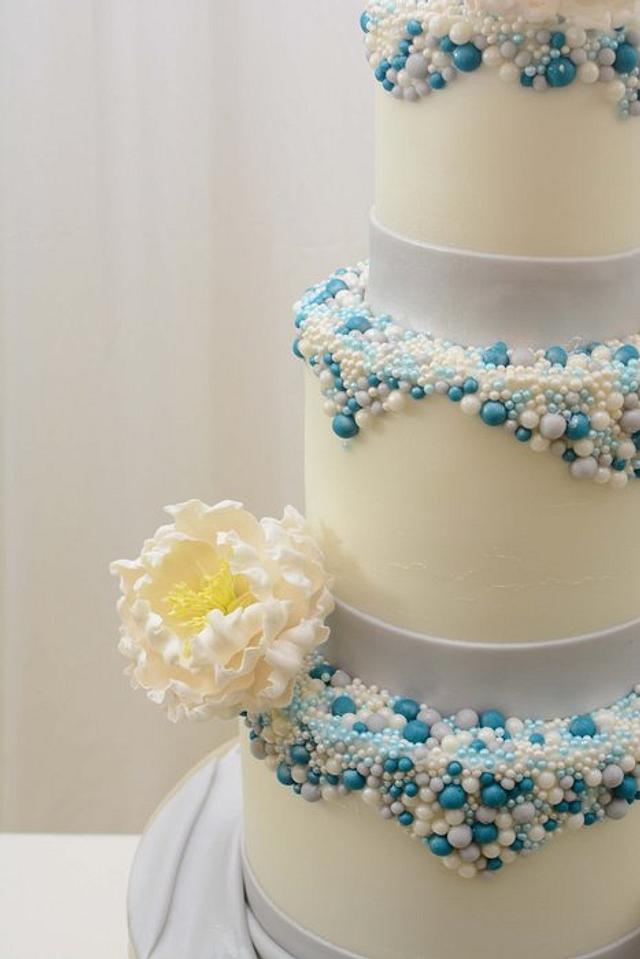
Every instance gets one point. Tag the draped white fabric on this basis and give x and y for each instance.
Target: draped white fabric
(173, 175)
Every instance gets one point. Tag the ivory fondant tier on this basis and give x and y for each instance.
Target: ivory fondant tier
(359, 884)
(433, 522)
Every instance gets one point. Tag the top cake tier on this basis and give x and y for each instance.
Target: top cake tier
(508, 127)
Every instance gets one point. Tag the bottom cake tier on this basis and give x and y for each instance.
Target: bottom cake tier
(336, 871)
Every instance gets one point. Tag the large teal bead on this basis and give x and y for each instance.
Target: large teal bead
(484, 833)
(353, 780)
(408, 708)
(561, 72)
(439, 845)
(416, 731)
(345, 426)
(627, 353)
(343, 706)
(494, 413)
(579, 426)
(452, 797)
(494, 796)
(583, 726)
(626, 58)
(467, 57)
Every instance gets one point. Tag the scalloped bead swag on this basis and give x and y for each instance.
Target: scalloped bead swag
(479, 789)
(415, 49)
(580, 402)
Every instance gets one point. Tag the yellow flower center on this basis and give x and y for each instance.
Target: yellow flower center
(189, 606)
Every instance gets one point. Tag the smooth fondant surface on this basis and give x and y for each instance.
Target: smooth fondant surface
(489, 166)
(435, 522)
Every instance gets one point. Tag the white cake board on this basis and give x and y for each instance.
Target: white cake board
(189, 890)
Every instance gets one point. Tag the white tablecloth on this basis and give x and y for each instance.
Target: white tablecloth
(63, 897)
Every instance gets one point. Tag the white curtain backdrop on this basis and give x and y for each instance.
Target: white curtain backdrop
(173, 174)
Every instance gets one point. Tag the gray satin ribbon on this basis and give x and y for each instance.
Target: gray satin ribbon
(188, 881)
(481, 297)
(547, 680)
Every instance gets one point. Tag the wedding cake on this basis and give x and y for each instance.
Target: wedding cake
(439, 669)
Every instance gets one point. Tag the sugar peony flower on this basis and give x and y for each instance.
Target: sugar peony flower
(220, 610)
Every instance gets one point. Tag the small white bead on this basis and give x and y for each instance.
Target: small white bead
(588, 72)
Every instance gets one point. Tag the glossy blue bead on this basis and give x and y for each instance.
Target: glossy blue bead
(300, 756)
(467, 58)
(583, 726)
(496, 355)
(408, 708)
(626, 353)
(364, 21)
(359, 324)
(537, 739)
(405, 819)
(360, 728)
(454, 769)
(391, 765)
(626, 58)
(471, 385)
(381, 70)
(558, 40)
(335, 286)
(494, 413)
(526, 785)
(493, 719)
(456, 394)
(579, 426)
(439, 845)
(388, 85)
(343, 706)
(405, 765)
(494, 864)
(399, 63)
(523, 435)
(323, 671)
(353, 780)
(551, 825)
(414, 28)
(411, 789)
(627, 789)
(284, 775)
(345, 426)
(484, 833)
(526, 79)
(557, 355)
(417, 392)
(296, 349)
(486, 779)
(416, 731)
(494, 796)
(437, 81)
(447, 45)
(590, 819)
(561, 72)
(452, 797)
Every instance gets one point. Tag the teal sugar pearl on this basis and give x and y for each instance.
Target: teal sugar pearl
(345, 426)
(557, 355)
(408, 708)
(494, 413)
(439, 845)
(627, 789)
(583, 726)
(561, 72)
(437, 81)
(284, 775)
(353, 781)
(493, 719)
(467, 57)
(414, 28)
(626, 58)
(416, 732)
(494, 796)
(626, 353)
(579, 426)
(452, 797)
(343, 706)
(484, 833)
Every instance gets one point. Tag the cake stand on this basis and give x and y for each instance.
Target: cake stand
(193, 896)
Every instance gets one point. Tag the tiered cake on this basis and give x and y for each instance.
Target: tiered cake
(472, 456)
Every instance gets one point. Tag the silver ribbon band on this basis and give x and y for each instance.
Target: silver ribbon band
(478, 298)
(547, 680)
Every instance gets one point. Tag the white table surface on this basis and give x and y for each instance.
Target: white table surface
(64, 897)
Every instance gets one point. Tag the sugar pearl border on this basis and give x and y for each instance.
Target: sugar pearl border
(415, 49)
(580, 402)
(478, 788)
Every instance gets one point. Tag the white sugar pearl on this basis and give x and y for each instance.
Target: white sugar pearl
(539, 444)
(588, 72)
(537, 833)
(576, 36)
(471, 785)
(396, 401)
(461, 32)
(553, 426)
(626, 450)
(439, 26)
(615, 401)
(586, 468)
(529, 419)
(468, 871)
(455, 817)
(584, 447)
(603, 476)
(546, 780)
(421, 829)
(615, 90)
(593, 778)
(600, 420)
(619, 480)
(371, 797)
(510, 73)
(524, 813)
(492, 57)
(507, 837)
(630, 421)
(491, 850)
(329, 793)
(576, 822)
